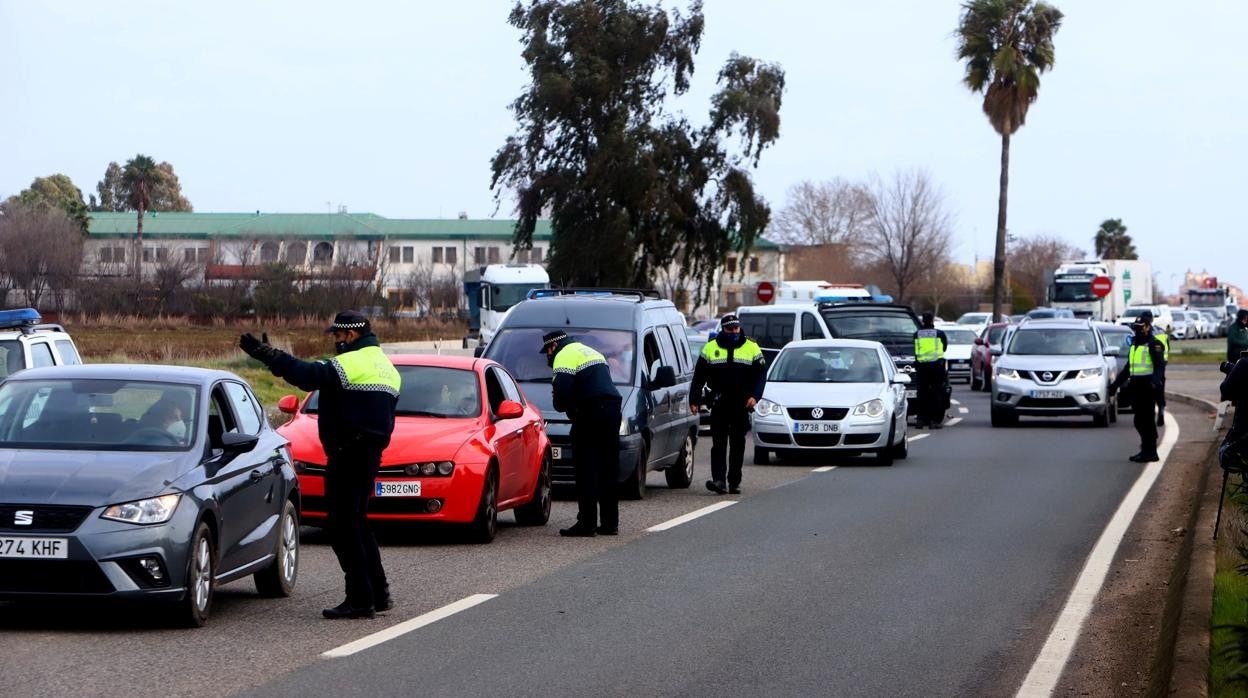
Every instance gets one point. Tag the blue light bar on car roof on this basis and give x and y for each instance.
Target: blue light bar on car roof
(22, 317)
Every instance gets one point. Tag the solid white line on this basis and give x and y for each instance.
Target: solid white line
(954, 402)
(963, 410)
(916, 437)
(1047, 670)
(953, 422)
(690, 516)
(824, 469)
(407, 626)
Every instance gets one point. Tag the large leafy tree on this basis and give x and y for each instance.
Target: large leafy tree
(1113, 242)
(630, 188)
(55, 192)
(165, 195)
(1006, 45)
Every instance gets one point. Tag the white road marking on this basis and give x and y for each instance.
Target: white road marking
(407, 626)
(824, 469)
(916, 437)
(954, 402)
(953, 422)
(963, 410)
(690, 516)
(1047, 670)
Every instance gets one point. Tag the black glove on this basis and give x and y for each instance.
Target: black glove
(258, 349)
(1157, 384)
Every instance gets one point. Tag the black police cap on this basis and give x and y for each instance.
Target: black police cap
(350, 320)
(552, 337)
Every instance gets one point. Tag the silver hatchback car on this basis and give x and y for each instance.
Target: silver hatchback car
(1054, 368)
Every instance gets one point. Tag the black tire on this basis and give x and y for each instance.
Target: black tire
(201, 582)
(634, 487)
(901, 451)
(762, 456)
(1113, 411)
(278, 579)
(680, 474)
(485, 525)
(1001, 418)
(884, 456)
(1101, 420)
(536, 512)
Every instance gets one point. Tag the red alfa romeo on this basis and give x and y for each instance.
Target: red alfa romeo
(466, 445)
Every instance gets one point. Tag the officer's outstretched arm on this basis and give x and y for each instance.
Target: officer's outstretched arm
(308, 375)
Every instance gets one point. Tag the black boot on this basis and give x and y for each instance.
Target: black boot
(577, 530)
(383, 601)
(346, 610)
(716, 486)
(604, 531)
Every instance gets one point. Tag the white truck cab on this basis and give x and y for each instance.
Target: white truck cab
(26, 343)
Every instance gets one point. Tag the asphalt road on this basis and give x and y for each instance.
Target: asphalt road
(938, 576)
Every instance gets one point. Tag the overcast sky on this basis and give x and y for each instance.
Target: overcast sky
(396, 108)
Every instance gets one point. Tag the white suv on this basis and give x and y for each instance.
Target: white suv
(25, 343)
(1054, 368)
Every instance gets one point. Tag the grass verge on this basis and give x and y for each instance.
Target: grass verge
(1230, 599)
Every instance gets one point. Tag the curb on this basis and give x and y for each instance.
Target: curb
(1181, 662)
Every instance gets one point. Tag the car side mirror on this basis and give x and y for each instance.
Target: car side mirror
(664, 377)
(510, 409)
(234, 443)
(289, 404)
(1112, 351)
(995, 351)
(902, 379)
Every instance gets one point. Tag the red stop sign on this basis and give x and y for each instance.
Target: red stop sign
(1101, 286)
(766, 291)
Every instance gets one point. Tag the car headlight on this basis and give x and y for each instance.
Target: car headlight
(871, 408)
(766, 408)
(1006, 373)
(145, 511)
(1090, 373)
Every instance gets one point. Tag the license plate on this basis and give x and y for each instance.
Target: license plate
(398, 488)
(1047, 394)
(45, 548)
(815, 428)
(560, 452)
(911, 394)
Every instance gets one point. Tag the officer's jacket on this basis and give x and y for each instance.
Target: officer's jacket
(732, 373)
(582, 378)
(359, 389)
(1145, 361)
(930, 345)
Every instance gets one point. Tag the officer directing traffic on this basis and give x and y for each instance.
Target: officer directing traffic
(584, 391)
(929, 356)
(359, 389)
(1146, 371)
(732, 366)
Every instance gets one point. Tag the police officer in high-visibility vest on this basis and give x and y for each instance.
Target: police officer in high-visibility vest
(1146, 317)
(733, 367)
(929, 356)
(583, 390)
(1146, 371)
(359, 389)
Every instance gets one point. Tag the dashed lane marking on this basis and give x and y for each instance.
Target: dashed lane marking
(407, 626)
(824, 469)
(963, 410)
(953, 422)
(690, 516)
(916, 437)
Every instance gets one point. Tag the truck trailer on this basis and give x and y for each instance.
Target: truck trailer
(1131, 279)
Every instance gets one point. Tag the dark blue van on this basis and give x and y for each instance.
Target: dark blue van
(643, 339)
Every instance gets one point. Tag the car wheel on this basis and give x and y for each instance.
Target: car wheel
(483, 527)
(901, 451)
(1101, 420)
(201, 572)
(1113, 411)
(635, 486)
(1001, 418)
(761, 456)
(884, 456)
(680, 474)
(278, 579)
(536, 512)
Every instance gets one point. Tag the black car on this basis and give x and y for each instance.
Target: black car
(152, 482)
(644, 342)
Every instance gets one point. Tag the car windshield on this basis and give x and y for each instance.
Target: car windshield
(871, 326)
(503, 296)
(98, 415)
(517, 349)
(960, 336)
(1134, 312)
(1042, 314)
(994, 334)
(1053, 342)
(11, 358)
(973, 318)
(1115, 338)
(1073, 292)
(430, 391)
(827, 365)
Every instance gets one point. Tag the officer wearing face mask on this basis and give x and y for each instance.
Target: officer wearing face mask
(359, 389)
(1146, 371)
(733, 368)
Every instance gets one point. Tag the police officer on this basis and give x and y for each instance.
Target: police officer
(732, 366)
(584, 391)
(359, 389)
(929, 356)
(1146, 371)
(1237, 336)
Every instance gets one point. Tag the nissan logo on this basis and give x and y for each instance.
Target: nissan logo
(23, 518)
(816, 413)
(1047, 376)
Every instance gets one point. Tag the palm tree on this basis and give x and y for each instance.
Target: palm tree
(1006, 44)
(1113, 242)
(138, 179)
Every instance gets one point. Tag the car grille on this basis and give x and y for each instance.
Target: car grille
(562, 474)
(1057, 376)
(376, 505)
(861, 439)
(1057, 402)
(829, 413)
(53, 577)
(774, 438)
(817, 439)
(61, 519)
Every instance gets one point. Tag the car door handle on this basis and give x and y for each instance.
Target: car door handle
(257, 474)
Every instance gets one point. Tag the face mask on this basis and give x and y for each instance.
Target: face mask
(729, 339)
(341, 347)
(177, 429)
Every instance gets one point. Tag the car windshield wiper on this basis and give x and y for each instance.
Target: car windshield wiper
(419, 413)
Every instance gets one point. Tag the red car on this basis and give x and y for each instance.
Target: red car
(981, 355)
(466, 445)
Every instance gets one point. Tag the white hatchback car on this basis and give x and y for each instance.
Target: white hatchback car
(841, 396)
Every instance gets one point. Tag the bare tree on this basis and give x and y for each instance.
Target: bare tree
(909, 233)
(822, 213)
(40, 248)
(1033, 260)
(418, 287)
(171, 276)
(942, 284)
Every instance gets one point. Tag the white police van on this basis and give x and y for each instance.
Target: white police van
(25, 342)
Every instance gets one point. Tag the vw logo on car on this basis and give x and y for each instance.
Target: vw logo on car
(816, 413)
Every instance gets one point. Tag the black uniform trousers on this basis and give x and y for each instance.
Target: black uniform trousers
(350, 473)
(730, 420)
(596, 462)
(1144, 404)
(931, 398)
